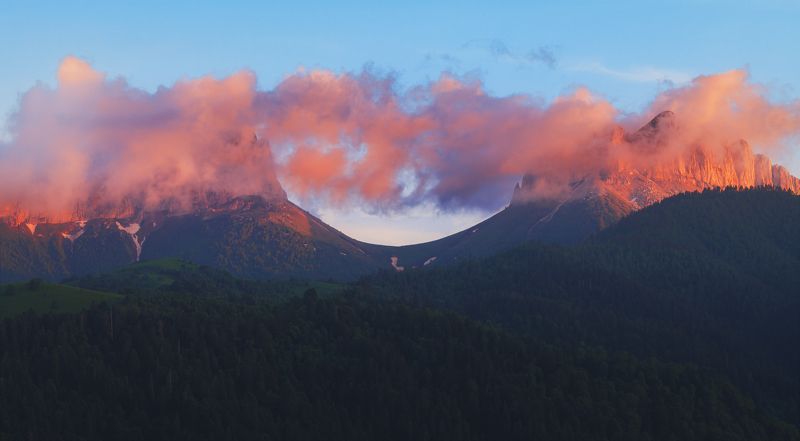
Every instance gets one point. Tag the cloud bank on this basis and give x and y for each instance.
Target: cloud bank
(95, 145)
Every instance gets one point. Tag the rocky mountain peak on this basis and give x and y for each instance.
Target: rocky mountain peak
(656, 132)
(656, 175)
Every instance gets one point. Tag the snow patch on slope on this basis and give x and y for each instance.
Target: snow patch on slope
(74, 236)
(429, 261)
(394, 260)
(132, 229)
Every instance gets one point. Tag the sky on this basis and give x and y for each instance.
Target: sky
(626, 52)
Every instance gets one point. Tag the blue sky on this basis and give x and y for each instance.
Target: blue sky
(624, 51)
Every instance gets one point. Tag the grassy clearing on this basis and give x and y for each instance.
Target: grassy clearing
(44, 297)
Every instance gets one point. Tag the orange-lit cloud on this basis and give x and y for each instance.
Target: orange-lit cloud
(722, 108)
(97, 143)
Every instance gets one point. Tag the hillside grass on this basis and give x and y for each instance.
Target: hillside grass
(170, 276)
(150, 275)
(41, 297)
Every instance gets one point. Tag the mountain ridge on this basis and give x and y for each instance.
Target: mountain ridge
(268, 237)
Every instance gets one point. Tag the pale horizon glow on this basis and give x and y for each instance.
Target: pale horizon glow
(416, 225)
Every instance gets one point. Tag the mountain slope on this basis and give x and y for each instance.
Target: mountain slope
(706, 278)
(753, 233)
(260, 238)
(249, 236)
(254, 238)
(567, 213)
(563, 221)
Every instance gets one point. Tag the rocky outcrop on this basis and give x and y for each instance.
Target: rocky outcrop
(783, 179)
(656, 174)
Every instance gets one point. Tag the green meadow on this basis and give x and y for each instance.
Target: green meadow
(42, 297)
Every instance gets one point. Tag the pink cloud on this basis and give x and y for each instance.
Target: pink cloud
(94, 141)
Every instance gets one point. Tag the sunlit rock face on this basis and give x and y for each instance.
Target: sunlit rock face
(783, 179)
(661, 169)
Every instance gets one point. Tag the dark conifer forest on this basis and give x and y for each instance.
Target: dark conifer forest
(680, 322)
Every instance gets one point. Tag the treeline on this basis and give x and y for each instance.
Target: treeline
(709, 279)
(184, 367)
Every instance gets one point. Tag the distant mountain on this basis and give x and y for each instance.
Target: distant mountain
(257, 237)
(593, 202)
(249, 236)
(656, 174)
(551, 220)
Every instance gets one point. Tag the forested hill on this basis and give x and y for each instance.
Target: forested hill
(747, 234)
(709, 279)
(679, 323)
(350, 367)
